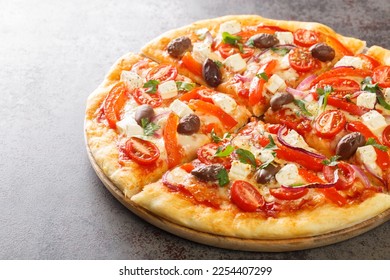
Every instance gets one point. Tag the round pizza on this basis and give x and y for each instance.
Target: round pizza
(248, 127)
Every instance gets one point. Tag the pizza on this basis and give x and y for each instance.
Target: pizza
(248, 127)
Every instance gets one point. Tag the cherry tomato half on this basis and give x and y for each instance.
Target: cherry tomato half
(141, 151)
(346, 175)
(227, 50)
(162, 72)
(288, 193)
(340, 86)
(141, 97)
(329, 123)
(382, 76)
(305, 37)
(206, 154)
(301, 59)
(386, 136)
(114, 103)
(246, 196)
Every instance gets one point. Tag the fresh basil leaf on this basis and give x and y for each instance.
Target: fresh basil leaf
(224, 152)
(367, 85)
(240, 47)
(216, 138)
(263, 76)
(332, 161)
(184, 86)
(372, 142)
(223, 177)
(382, 101)
(219, 63)
(230, 39)
(271, 145)
(280, 51)
(149, 127)
(151, 86)
(246, 156)
(302, 106)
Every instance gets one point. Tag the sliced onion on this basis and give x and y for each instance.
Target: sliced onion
(167, 183)
(305, 84)
(297, 93)
(317, 185)
(241, 78)
(160, 116)
(361, 175)
(340, 67)
(372, 172)
(208, 38)
(283, 142)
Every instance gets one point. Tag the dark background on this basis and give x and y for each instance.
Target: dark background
(53, 54)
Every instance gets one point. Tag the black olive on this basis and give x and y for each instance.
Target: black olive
(322, 52)
(207, 172)
(189, 124)
(264, 175)
(177, 47)
(144, 112)
(280, 99)
(211, 73)
(348, 145)
(264, 40)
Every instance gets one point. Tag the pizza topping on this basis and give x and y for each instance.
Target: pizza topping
(285, 38)
(189, 124)
(144, 111)
(246, 196)
(301, 59)
(114, 103)
(225, 102)
(142, 97)
(149, 127)
(386, 136)
(235, 63)
(289, 193)
(280, 99)
(381, 76)
(263, 41)
(211, 73)
(264, 175)
(191, 64)
(366, 99)
(232, 27)
(374, 121)
(288, 175)
(173, 148)
(207, 154)
(178, 46)
(275, 83)
(180, 108)
(207, 172)
(141, 151)
(348, 145)
(329, 123)
(353, 61)
(239, 170)
(305, 37)
(322, 52)
(168, 89)
(367, 156)
(346, 175)
(131, 79)
(129, 127)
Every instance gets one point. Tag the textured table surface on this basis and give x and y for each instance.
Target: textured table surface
(52, 55)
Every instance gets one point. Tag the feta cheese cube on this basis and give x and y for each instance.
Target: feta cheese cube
(289, 175)
(201, 51)
(274, 83)
(180, 108)
(284, 37)
(295, 139)
(284, 63)
(129, 127)
(350, 61)
(231, 27)
(235, 62)
(374, 121)
(167, 89)
(225, 102)
(367, 155)
(288, 75)
(386, 94)
(131, 79)
(239, 170)
(266, 155)
(366, 99)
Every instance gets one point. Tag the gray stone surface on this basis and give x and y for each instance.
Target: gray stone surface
(52, 55)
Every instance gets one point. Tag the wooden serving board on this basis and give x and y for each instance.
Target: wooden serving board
(258, 245)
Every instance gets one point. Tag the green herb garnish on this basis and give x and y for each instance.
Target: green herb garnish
(281, 51)
(224, 152)
(302, 106)
(216, 138)
(263, 76)
(271, 145)
(149, 127)
(372, 142)
(151, 86)
(324, 93)
(230, 39)
(246, 156)
(223, 177)
(332, 161)
(185, 86)
(219, 63)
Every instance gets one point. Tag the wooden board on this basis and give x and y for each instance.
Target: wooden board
(258, 245)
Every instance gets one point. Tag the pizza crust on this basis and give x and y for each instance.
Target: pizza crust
(323, 219)
(380, 54)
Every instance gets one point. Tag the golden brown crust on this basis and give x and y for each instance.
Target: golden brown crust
(323, 219)
(380, 54)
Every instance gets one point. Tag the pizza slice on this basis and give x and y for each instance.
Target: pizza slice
(250, 56)
(256, 185)
(137, 127)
